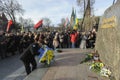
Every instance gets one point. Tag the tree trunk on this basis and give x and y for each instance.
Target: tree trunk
(84, 5)
(113, 1)
(85, 25)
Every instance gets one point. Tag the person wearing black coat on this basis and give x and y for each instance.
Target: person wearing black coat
(3, 46)
(28, 57)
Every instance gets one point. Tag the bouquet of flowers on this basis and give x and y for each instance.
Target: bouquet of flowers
(46, 55)
(105, 72)
(96, 66)
(87, 58)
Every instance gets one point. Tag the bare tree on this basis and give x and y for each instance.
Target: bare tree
(88, 7)
(61, 25)
(62, 22)
(83, 4)
(26, 22)
(46, 22)
(11, 8)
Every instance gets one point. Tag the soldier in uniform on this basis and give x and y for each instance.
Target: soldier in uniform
(28, 57)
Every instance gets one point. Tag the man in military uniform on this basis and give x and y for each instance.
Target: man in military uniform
(28, 57)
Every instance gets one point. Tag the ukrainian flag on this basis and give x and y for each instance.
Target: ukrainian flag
(76, 24)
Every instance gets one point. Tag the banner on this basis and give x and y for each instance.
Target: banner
(66, 22)
(76, 21)
(10, 22)
(38, 24)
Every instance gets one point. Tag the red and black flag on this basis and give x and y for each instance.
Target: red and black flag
(10, 22)
(39, 24)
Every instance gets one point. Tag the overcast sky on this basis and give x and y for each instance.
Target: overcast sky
(57, 9)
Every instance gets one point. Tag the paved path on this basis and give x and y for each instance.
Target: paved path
(66, 67)
(11, 68)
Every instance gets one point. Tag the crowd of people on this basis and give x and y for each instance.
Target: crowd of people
(10, 43)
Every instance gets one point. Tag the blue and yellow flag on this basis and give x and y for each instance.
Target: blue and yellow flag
(75, 27)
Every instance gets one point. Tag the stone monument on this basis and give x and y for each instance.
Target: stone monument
(108, 39)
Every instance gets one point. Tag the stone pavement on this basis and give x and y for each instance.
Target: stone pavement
(66, 67)
(11, 68)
